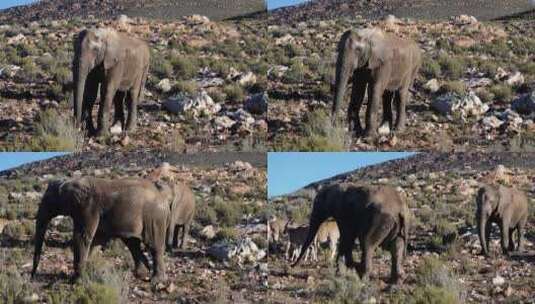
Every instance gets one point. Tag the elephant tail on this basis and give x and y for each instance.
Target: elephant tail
(312, 231)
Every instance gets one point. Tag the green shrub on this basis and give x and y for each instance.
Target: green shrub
(55, 133)
(296, 72)
(434, 295)
(185, 67)
(227, 233)
(62, 75)
(453, 67)
(234, 92)
(455, 86)
(13, 288)
(187, 87)
(488, 67)
(206, 215)
(228, 213)
(502, 92)
(319, 135)
(161, 67)
(528, 68)
(345, 287)
(436, 283)
(431, 68)
(19, 230)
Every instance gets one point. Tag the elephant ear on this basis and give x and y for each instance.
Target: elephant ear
(380, 53)
(115, 51)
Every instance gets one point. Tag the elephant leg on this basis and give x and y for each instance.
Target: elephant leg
(520, 235)
(141, 264)
(381, 226)
(387, 109)
(104, 109)
(132, 101)
(178, 228)
(345, 247)
(375, 94)
(357, 96)
(332, 248)
(401, 99)
(504, 227)
(159, 265)
(488, 227)
(511, 239)
(84, 231)
(90, 95)
(397, 250)
(118, 102)
(185, 234)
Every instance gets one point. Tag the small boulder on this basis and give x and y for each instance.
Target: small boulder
(164, 85)
(224, 122)
(208, 232)
(525, 104)
(432, 85)
(498, 280)
(200, 103)
(465, 105)
(257, 104)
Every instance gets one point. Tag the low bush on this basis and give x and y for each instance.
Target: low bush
(55, 132)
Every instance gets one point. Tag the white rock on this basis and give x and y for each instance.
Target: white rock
(278, 71)
(247, 79)
(492, 122)
(498, 280)
(465, 105)
(257, 104)
(244, 250)
(116, 129)
(464, 20)
(286, 39)
(240, 165)
(515, 79)
(432, 85)
(16, 39)
(224, 122)
(201, 103)
(524, 104)
(384, 129)
(208, 232)
(243, 116)
(164, 85)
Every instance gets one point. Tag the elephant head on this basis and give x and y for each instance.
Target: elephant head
(93, 48)
(487, 202)
(356, 49)
(57, 200)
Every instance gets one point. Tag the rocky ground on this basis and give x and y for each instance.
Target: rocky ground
(205, 89)
(443, 264)
(224, 262)
(474, 91)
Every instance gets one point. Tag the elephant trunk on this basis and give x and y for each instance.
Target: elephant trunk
(80, 77)
(482, 224)
(315, 223)
(43, 218)
(344, 67)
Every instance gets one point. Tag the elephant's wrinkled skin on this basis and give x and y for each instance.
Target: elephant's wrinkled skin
(505, 206)
(116, 63)
(376, 215)
(384, 65)
(133, 210)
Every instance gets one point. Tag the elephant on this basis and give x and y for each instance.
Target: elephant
(376, 215)
(385, 66)
(182, 212)
(115, 63)
(134, 210)
(505, 206)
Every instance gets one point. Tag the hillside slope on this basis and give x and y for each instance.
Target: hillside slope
(161, 9)
(424, 9)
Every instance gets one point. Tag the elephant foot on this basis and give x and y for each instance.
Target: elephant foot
(370, 133)
(159, 278)
(141, 273)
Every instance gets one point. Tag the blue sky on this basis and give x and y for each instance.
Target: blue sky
(10, 160)
(272, 4)
(10, 3)
(288, 172)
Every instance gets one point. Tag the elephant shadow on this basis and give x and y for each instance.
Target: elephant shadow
(525, 256)
(186, 253)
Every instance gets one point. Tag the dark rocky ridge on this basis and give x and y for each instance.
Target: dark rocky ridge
(159, 9)
(133, 160)
(420, 9)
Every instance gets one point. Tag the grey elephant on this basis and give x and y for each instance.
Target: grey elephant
(182, 213)
(134, 210)
(508, 208)
(376, 215)
(116, 64)
(384, 65)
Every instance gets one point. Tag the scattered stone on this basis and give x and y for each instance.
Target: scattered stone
(31, 298)
(284, 40)
(515, 80)
(465, 105)
(492, 122)
(16, 39)
(498, 280)
(116, 129)
(464, 20)
(164, 85)
(244, 250)
(198, 104)
(525, 104)
(278, 71)
(432, 85)
(244, 117)
(247, 79)
(208, 232)
(384, 129)
(224, 122)
(257, 104)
